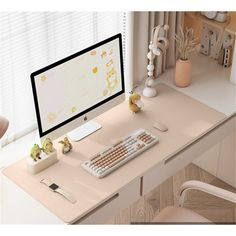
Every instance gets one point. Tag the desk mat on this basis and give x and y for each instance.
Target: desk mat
(186, 118)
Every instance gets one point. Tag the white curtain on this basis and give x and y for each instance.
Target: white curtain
(32, 40)
(142, 27)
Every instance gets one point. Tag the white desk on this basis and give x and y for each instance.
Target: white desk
(210, 84)
(193, 128)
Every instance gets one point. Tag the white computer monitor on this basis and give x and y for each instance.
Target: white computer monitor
(69, 93)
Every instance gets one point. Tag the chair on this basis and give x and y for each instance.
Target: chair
(180, 214)
(3, 125)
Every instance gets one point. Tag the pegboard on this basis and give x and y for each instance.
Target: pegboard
(217, 43)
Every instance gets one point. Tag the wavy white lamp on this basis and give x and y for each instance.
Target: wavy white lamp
(157, 47)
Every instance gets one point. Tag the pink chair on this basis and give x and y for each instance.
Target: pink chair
(180, 214)
(3, 125)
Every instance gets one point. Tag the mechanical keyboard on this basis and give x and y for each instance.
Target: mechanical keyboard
(119, 153)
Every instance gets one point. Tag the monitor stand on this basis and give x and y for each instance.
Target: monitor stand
(83, 131)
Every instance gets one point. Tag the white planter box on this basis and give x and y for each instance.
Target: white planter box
(46, 161)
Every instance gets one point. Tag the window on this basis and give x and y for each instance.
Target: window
(32, 40)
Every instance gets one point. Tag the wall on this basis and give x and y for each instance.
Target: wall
(191, 21)
(220, 160)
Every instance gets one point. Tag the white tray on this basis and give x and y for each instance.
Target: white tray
(46, 161)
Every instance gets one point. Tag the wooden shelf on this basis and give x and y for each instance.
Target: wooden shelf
(231, 27)
(196, 16)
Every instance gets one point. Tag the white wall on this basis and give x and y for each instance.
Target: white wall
(220, 160)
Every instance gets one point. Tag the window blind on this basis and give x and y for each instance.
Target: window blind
(32, 40)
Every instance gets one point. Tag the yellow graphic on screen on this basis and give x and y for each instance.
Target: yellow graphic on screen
(73, 109)
(78, 84)
(109, 63)
(51, 117)
(93, 53)
(112, 80)
(105, 92)
(95, 70)
(43, 78)
(103, 54)
(110, 51)
(111, 74)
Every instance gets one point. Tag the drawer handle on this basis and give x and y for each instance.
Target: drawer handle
(98, 207)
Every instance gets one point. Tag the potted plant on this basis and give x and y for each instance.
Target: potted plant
(185, 43)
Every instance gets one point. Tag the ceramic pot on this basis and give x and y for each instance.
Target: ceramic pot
(183, 73)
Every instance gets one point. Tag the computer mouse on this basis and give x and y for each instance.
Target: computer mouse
(160, 126)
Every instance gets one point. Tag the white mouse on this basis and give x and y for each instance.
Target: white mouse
(160, 126)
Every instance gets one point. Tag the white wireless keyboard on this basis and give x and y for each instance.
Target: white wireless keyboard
(118, 154)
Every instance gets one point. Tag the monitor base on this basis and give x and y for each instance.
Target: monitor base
(83, 131)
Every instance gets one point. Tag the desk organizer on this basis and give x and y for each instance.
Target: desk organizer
(46, 161)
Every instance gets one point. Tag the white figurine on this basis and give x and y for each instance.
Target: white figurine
(157, 47)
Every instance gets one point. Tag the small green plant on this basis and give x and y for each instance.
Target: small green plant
(185, 42)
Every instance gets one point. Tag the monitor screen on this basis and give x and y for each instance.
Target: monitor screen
(73, 86)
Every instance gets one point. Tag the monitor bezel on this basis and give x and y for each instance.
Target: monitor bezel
(71, 119)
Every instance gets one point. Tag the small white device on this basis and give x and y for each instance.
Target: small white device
(119, 153)
(158, 45)
(160, 126)
(55, 188)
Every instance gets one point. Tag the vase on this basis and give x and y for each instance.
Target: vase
(183, 73)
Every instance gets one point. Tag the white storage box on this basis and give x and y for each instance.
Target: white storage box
(35, 167)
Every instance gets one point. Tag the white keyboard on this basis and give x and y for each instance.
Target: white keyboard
(118, 154)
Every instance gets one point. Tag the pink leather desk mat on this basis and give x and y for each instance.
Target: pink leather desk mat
(186, 118)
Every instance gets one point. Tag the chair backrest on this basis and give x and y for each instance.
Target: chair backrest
(3, 125)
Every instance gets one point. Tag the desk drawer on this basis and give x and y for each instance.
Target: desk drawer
(113, 205)
(171, 165)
